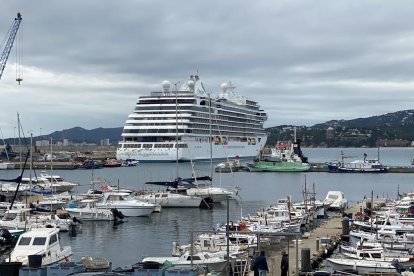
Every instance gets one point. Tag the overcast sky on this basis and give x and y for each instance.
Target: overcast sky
(85, 63)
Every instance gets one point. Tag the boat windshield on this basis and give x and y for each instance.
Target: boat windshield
(25, 241)
(39, 241)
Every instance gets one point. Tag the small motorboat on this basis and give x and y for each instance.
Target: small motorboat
(126, 204)
(87, 211)
(42, 243)
(112, 163)
(130, 163)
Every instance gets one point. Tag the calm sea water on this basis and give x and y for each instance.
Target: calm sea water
(127, 243)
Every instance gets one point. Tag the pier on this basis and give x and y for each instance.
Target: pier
(321, 167)
(329, 230)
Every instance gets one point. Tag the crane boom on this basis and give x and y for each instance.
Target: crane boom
(9, 44)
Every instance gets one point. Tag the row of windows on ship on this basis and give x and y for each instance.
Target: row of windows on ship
(249, 104)
(193, 131)
(173, 111)
(197, 118)
(200, 129)
(216, 140)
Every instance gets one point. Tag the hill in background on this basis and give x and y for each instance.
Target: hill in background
(391, 129)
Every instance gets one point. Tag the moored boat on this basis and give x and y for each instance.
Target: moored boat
(87, 211)
(357, 166)
(42, 242)
(170, 199)
(335, 200)
(230, 166)
(212, 262)
(285, 157)
(362, 266)
(112, 163)
(124, 203)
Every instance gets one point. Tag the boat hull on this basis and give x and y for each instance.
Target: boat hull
(130, 211)
(362, 267)
(91, 215)
(265, 166)
(196, 151)
(179, 201)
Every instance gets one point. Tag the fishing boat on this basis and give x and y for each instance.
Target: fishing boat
(357, 166)
(285, 157)
(189, 110)
(42, 243)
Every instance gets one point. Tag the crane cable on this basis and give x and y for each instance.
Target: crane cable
(19, 55)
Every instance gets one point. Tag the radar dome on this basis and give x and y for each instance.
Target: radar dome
(191, 84)
(166, 85)
(224, 86)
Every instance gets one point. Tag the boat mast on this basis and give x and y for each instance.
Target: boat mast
(176, 128)
(20, 145)
(30, 170)
(51, 164)
(294, 135)
(211, 137)
(378, 155)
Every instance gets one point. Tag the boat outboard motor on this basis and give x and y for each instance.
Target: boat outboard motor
(117, 214)
(6, 238)
(398, 266)
(75, 220)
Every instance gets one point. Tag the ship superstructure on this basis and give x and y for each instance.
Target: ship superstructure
(185, 123)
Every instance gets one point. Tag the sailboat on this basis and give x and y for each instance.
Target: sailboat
(203, 186)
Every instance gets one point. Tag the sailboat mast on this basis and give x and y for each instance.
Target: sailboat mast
(211, 137)
(51, 164)
(176, 128)
(30, 169)
(20, 145)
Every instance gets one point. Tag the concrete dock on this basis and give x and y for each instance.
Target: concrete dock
(329, 228)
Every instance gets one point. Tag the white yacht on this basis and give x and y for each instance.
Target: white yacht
(335, 200)
(179, 123)
(58, 184)
(126, 204)
(87, 211)
(170, 199)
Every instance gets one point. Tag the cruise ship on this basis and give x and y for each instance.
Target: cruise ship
(178, 123)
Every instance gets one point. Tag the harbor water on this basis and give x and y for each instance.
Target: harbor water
(126, 244)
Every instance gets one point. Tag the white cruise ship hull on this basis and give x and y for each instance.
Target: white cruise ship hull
(196, 151)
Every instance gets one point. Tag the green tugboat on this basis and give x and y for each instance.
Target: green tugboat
(285, 157)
